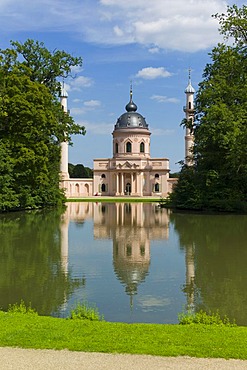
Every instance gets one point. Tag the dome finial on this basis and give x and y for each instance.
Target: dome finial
(131, 106)
(189, 88)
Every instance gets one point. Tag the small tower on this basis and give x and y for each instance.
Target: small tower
(64, 145)
(189, 115)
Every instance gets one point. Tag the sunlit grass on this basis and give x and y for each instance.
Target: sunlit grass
(28, 330)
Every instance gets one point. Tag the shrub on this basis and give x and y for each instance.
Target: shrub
(83, 311)
(22, 308)
(204, 318)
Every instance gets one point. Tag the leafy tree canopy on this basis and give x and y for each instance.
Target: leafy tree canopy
(233, 24)
(35, 61)
(218, 178)
(79, 171)
(32, 124)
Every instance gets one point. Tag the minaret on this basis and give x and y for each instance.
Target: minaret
(189, 115)
(64, 145)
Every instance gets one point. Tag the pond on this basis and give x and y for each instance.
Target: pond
(135, 262)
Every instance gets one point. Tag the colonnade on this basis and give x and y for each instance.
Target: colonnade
(134, 178)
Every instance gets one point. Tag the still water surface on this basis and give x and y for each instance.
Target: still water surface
(134, 261)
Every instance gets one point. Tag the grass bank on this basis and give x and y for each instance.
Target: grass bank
(33, 331)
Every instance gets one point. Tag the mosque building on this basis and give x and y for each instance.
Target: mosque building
(131, 171)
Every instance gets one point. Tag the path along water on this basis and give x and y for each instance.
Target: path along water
(29, 359)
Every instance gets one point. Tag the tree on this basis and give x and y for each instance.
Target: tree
(32, 126)
(79, 171)
(233, 24)
(8, 197)
(34, 60)
(220, 172)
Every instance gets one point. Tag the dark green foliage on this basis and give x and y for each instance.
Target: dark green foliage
(32, 267)
(187, 194)
(218, 179)
(8, 197)
(32, 125)
(79, 171)
(174, 175)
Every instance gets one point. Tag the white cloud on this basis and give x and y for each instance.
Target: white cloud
(88, 105)
(150, 73)
(164, 99)
(92, 103)
(161, 132)
(117, 30)
(163, 24)
(79, 82)
(154, 50)
(149, 303)
(77, 111)
(98, 129)
(76, 70)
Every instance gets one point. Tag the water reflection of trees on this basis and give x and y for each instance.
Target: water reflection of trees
(220, 256)
(31, 267)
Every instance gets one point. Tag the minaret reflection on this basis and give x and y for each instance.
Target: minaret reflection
(189, 288)
(75, 212)
(131, 226)
(64, 235)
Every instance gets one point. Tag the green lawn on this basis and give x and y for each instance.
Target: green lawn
(197, 340)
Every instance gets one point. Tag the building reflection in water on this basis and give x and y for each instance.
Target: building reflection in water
(131, 227)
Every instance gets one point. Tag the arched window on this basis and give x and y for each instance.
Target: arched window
(103, 176)
(157, 176)
(103, 188)
(157, 187)
(116, 147)
(142, 147)
(189, 105)
(86, 187)
(128, 147)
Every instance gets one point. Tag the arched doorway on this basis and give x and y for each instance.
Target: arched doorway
(128, 189)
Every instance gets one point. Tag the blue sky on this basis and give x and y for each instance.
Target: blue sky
(151, 43)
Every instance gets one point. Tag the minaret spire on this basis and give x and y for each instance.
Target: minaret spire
(189, 115)
(64, 145)
(189, 75)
